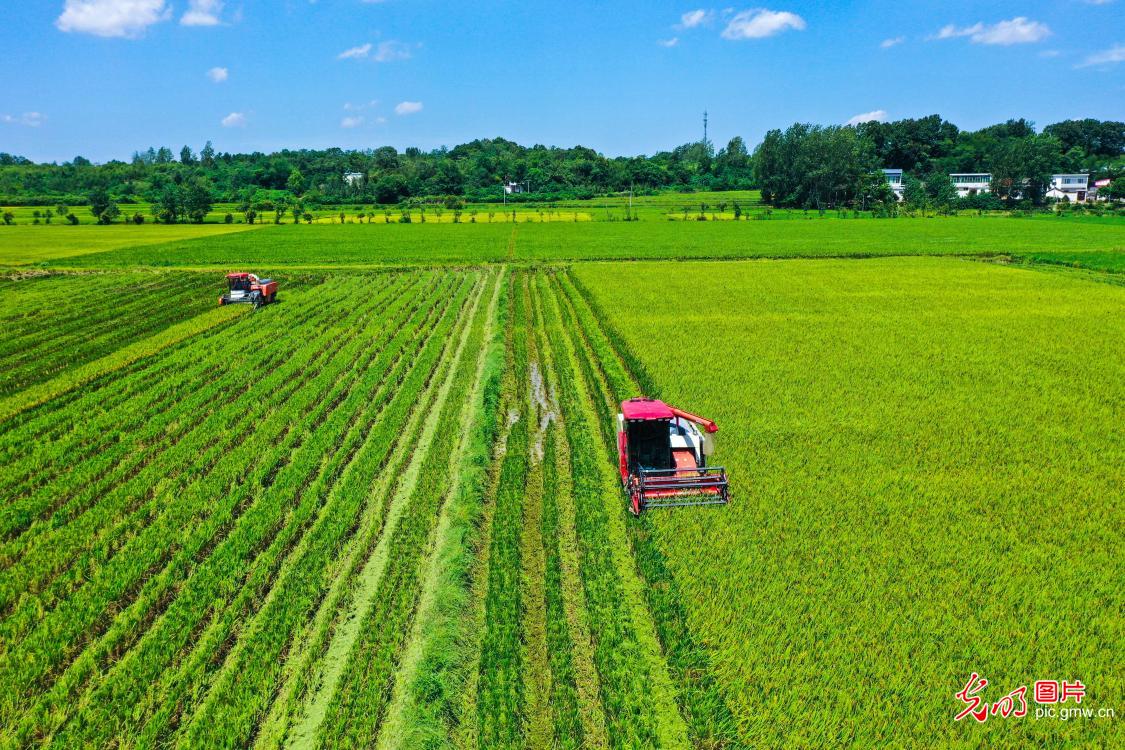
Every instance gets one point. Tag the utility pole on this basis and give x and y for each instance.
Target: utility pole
(704, 127)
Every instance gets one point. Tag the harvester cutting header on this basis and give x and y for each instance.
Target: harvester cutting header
(662, 455)
(246, 288)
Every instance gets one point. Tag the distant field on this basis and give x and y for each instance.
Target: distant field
(649, 206)
(323, 245)
(926, 461)
(22, 245)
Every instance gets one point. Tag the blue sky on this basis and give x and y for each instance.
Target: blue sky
(103, 78)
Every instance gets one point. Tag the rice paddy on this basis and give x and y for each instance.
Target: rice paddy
(385, 511)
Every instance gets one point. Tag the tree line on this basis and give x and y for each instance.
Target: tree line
(804, 166)
(812, 166)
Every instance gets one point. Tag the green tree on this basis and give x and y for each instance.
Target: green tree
(296, 182)
(187, 158)
(1115, 191)
(942, 191)
(8, 217)
(99, 201)
(1093, 137)
(281, 205)
(207, 155)
(197, 199)
(914, 194)
(110, 214)
(169, 207)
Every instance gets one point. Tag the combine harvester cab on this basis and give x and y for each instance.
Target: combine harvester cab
(246, 288)
(662, 456)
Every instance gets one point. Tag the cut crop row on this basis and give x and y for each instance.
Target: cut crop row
(327, 638)
(501, 699)
(239, 698)
(266, 450)
(185, 390)
(203, 441)
(41, 552)
(39, 444)
(430, 695)
(635, 697)
(76, 330)
(259, 542)
(358, 708)
(568, 730)
(701, 701)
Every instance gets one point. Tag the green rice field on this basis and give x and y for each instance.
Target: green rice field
(385, 511)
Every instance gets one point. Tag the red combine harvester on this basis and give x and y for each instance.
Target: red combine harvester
(662, 455)
(246, 288)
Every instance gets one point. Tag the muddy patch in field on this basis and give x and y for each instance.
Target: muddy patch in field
(544, 403)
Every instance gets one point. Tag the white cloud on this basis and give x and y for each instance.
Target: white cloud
(30, 119)
(694, 18)
(949, 31)
(391, 51)
(202, 13)
(356, 53)
(892, 42)
(1111, 56)
(352, 107)
(760, 23)
(875, 115)
(1050, 53)
(1019, 30)
(112, 18)
(408, 108)
(380, 120)
(351, 122)
(388, 51)
(218, 75)
(234, 120)
(668, 42)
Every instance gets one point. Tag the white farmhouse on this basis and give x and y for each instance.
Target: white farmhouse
(353, 179)
(894, 179)
(971, 183)
(1069, 187)
(513, 187)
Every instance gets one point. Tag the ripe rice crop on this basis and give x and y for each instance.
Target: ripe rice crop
(912, 443)
(27, 245)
